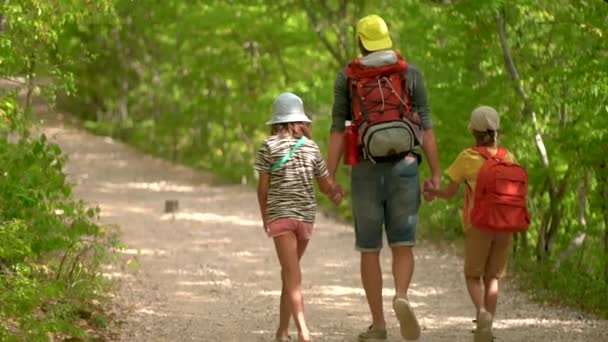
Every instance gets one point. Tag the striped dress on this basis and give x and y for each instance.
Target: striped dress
(291, 190)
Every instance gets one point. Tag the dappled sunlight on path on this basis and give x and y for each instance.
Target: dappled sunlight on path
(208, 273)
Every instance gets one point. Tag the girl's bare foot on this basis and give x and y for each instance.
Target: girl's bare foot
(282, 336)
(304, 336)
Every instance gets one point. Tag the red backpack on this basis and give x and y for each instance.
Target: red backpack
(380, 102)
(500, 203)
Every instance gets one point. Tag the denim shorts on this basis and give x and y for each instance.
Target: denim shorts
(385, 195)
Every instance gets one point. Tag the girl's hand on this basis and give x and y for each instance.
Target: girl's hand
(265, 224)
(330, 188)
(337, 194)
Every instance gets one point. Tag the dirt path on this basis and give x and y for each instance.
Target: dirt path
(209, 274)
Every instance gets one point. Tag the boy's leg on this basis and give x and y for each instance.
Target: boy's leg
(477, 245)
(287, 251)
(496, 267)
(475, 292)
(491, 294)
(483, 318)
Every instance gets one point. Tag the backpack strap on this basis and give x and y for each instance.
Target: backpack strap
(408, 88)
(501, 152)
(289, 154)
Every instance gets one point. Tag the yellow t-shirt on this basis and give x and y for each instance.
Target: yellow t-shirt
(466, 168)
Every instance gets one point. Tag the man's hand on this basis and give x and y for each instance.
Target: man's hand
(338, 194)
(335, 151)
(428, 190)
(429, 145)
(436, 181)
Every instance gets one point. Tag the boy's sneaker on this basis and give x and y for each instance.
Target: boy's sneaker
(483, 332)
(410, 329)
(372, 335)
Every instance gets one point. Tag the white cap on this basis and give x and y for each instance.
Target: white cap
(483, 119)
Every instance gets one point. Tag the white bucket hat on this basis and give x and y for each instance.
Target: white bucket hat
(288, 107)
(483, 119)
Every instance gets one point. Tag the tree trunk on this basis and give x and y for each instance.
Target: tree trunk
(578, 241)
(3, 19)
(552, 219)
(541, 241)
(123, 97)
(519, 87)
(603, 180)
(557, 210)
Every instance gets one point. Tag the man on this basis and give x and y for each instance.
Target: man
(385, 184)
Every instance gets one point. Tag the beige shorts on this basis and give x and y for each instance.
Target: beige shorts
(486, 253)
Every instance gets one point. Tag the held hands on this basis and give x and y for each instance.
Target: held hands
(429, 190)
(337, 193)
(431, 187)
(330, 188)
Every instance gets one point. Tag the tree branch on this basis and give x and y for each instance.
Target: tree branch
(519, 88)
(314, 23)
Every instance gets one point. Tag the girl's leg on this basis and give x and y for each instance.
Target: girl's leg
(475, 292)
(285, 312)
(491, 295)
(287, 252)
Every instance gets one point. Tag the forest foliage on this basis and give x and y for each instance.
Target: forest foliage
(193, 81)
(51, 247)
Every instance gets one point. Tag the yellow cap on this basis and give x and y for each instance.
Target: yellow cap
(373, 32)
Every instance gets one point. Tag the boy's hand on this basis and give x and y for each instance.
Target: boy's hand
(428, 190)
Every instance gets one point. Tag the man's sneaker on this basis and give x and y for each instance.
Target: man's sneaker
(372, 335)
(410, 329)
(483, 332)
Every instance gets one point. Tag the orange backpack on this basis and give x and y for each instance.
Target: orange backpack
(500, 203)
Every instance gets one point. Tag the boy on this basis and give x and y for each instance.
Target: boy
(486, 252)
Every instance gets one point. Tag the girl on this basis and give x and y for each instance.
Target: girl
(287, 162)
(486, 253)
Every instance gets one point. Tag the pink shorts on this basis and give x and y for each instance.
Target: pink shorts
(303, 230)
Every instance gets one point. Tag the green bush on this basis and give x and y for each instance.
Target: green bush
(50, 246)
